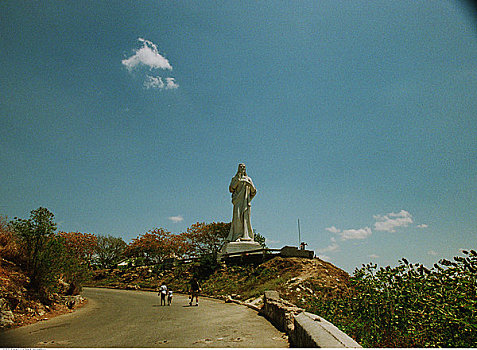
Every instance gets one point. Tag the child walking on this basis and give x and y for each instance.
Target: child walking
(169, 297)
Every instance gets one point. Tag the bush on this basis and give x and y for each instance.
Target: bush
(206, 266)
(39, 247)
(408, 305)
(45, 256)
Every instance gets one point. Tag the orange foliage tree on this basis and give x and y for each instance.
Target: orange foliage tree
(179, 247)
(205, 238)
(157, 245)
(9, 245)
(81, 245)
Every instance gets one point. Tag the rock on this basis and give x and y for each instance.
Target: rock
(294, 279)
(255, 301)
(6, 318)
(40, 310)
(72, 300)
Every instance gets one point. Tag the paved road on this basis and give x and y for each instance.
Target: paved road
(118, 318)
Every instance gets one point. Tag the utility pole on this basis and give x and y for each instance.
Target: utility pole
(299, 233)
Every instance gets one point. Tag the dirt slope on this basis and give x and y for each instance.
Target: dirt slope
(293, 278)
(17, 306)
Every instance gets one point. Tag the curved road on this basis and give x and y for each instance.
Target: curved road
(119, 318)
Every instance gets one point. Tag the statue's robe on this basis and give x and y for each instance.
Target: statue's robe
(243, 191)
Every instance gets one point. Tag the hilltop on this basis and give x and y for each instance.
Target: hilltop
(294, 278)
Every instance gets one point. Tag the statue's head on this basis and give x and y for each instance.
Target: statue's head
(241, 169)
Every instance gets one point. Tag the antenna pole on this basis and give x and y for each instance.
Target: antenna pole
(299, 233)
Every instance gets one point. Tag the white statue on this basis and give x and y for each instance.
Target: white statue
(243, 191)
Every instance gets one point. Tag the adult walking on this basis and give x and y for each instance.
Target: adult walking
(163, 293)
(194, 291)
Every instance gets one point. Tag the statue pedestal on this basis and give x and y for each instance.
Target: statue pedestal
(240, 247)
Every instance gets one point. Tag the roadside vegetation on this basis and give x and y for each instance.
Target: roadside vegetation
(408, 305)
(44, 255)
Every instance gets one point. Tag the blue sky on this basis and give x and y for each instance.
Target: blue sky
(359, 118)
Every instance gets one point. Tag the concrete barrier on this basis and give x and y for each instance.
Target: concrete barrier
(279, 312)
(289, 251)
(305, 330)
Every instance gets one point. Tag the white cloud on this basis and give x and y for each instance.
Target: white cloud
(361, 233)
(345, 235)
(373, 256)
(332, 229)
(157, 83)
(153, 82)
(423, 226)
(391, 221)
(432, 252)
(331, 248)
(176, 219)
(271, 241)
(171, 84)
(147, 55)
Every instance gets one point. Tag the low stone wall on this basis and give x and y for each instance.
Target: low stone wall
(280, 312)
(304, 330)
(289, 251)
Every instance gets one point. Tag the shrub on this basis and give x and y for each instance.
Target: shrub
(45, 255)
(408, 305)
(39, 247)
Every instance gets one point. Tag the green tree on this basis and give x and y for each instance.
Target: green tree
(109, 251)
(40, 247)
(259, 239)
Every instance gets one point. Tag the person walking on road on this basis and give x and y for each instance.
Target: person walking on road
(169, 297)
(163, 293)
(194, 291)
